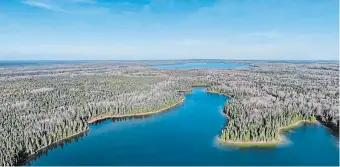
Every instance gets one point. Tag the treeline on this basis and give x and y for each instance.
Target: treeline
(242, 127)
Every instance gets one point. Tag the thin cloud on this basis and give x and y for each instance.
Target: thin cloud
(41, 4)
(68, 6)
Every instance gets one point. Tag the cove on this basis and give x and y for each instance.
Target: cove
(186, 135)
(200, 66)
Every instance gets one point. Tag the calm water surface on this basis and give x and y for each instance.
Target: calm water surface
(186, 136)
(200, 65)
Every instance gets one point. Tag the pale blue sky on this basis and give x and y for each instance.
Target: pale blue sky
(169, 29)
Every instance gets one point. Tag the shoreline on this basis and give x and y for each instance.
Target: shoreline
(184, 91)
(281, 139)
(103, 117)
(93, 120)
(215, 92)
(38, 151)
(234, 143)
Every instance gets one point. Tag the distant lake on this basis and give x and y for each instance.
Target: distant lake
(186, 136)
(200, 66)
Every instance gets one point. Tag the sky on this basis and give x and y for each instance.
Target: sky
(169, 29)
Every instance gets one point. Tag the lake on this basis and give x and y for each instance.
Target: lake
(186, 135)
(200, 66)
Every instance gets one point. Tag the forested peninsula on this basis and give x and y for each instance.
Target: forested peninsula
(276, 96)
(43, 104)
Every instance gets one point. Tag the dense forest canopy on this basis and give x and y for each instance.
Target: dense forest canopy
(42, 104)
(277, 95)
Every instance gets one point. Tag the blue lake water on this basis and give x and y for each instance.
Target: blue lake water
(186, 135)
(200, 66)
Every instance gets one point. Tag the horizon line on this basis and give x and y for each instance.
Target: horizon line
(3, 60)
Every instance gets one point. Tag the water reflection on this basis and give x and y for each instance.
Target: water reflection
(75, 139)
(61, 144)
